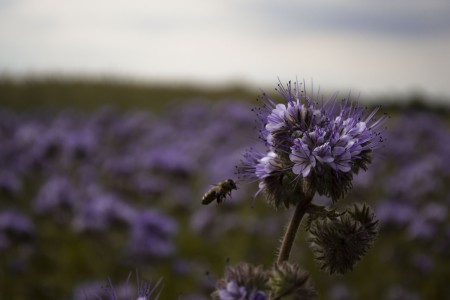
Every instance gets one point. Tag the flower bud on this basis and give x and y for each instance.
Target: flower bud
(340, 242)
(243, 281)
(288, 281)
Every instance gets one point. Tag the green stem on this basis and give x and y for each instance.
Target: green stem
(292, 229)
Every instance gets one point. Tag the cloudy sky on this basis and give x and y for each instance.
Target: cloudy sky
(369, 46)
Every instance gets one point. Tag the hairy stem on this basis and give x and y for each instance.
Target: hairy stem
(291, 230)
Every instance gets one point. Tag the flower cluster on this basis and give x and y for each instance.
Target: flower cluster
(99, 175)
(107, 173)
(243, 281)
(313, 145)
(248, 282)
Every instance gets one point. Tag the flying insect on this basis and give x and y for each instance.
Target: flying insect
(219, 192)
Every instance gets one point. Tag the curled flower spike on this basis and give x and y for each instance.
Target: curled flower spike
(338, 243)
(313, 145)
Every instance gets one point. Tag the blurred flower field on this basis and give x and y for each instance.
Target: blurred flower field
(92, 194)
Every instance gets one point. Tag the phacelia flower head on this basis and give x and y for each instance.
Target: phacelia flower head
(234, 292)
(313, 145)
(146, 290)
(242, 282)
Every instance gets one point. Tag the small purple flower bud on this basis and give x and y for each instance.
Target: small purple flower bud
(232, 292)
(242, 282)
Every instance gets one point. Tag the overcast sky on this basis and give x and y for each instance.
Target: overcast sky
(369, 46)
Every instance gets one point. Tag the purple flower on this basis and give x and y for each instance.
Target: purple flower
(232, 292)
(421, 223)
(152, 234)
(242, 281)
(302, 158)
(58, 197)
(146, 290)
(15, 226)
(316, 145)
(100, 210)
(257, 295)
(235, 292)
(415, 179)
(394, 212)
(10, 183)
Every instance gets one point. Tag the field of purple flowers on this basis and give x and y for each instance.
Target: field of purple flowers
(91, 195)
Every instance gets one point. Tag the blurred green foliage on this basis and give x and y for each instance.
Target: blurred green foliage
(89, 94)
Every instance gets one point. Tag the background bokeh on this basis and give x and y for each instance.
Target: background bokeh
(117, 116)
(96, 189)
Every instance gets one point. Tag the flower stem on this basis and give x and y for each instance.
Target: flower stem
(291, 230)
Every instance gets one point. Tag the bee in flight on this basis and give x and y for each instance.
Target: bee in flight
(219, 192)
